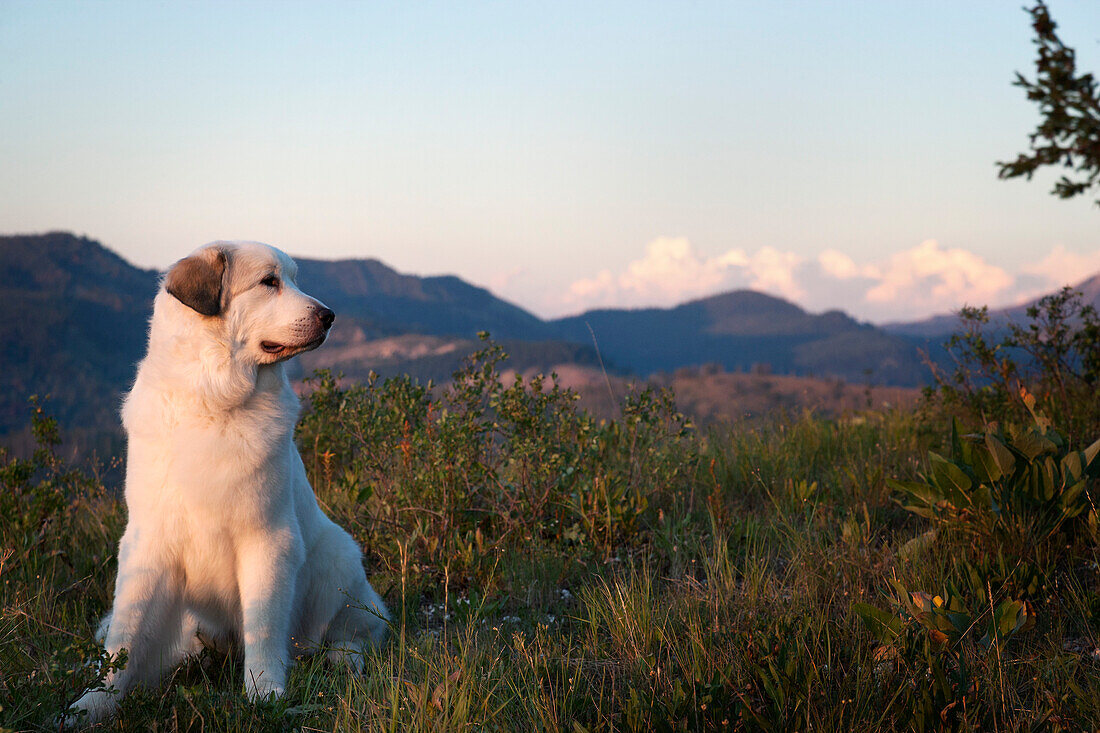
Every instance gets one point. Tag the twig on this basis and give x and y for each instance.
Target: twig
(606, 379)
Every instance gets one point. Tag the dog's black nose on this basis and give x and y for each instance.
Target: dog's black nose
(326, 317)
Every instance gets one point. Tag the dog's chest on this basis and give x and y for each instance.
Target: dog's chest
(230, 470)
(209, 558)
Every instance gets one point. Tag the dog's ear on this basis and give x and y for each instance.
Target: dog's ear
(196, 281)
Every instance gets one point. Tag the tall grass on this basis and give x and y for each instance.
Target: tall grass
(552, 572)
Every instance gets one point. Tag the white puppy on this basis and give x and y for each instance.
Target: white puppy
(225, 539)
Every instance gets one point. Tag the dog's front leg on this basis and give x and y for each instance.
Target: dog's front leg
(266, 576)
(145, 621)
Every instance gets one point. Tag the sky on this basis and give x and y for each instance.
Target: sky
(564, 155)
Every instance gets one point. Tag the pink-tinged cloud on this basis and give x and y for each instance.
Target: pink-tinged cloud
(672, 271)
(842, 267)
(1062, 267)
(928, 278)
(502, 280)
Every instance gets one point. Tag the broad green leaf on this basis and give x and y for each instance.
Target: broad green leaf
(1000, 454)
(364, 493)
(949, 478)
(921, 510)
(903, 595)
(1041, 482)
(1091, 453)
(985, 468)
(1073, 466)
(1033, 444)
(1011, 617)
(1049, 471)
(1070, 499)
(941, 622)
(959, 622)
(982, 498)
(883, 625)
(924, 496)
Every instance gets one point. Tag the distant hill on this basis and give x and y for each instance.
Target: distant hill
(72, 320)
(743, 330)
(376, 295)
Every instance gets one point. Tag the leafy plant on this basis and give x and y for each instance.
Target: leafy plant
(46, 554)
(1015, 489)
(948, 619)
(936, 650)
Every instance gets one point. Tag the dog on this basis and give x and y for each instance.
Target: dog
(225, 544)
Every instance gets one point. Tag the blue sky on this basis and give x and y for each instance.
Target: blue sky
(565, 155)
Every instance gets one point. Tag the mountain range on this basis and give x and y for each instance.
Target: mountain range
(73, 317)
(744, 330)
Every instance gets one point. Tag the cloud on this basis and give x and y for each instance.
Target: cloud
(842, 267)
(924, 280)
(929, 279)
(671, 271)
(1061, 267)
(773, 272)
(503, 279)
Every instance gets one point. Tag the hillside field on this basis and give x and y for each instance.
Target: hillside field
(553, 571)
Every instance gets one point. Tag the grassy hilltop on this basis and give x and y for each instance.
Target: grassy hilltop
(549, 570)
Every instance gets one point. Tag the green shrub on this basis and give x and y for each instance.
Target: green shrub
(1012, 489)
(58, 527)
(1052, 359)
(490, 464)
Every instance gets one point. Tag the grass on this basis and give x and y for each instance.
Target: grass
(551, 572)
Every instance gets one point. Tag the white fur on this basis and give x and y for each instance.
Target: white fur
(225, 540)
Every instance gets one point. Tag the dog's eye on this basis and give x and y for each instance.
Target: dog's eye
(270, 281)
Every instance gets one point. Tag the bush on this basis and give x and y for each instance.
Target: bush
(58, 527)
(1053, 359)
(451, 478)
(1011, 490)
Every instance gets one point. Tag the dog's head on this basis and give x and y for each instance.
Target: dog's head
(247, 291)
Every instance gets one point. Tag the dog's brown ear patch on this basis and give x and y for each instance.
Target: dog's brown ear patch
(196, 281)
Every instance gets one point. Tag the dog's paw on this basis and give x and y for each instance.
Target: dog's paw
(261, 687)
(92, 707)
(103, 628)
(347, 654)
